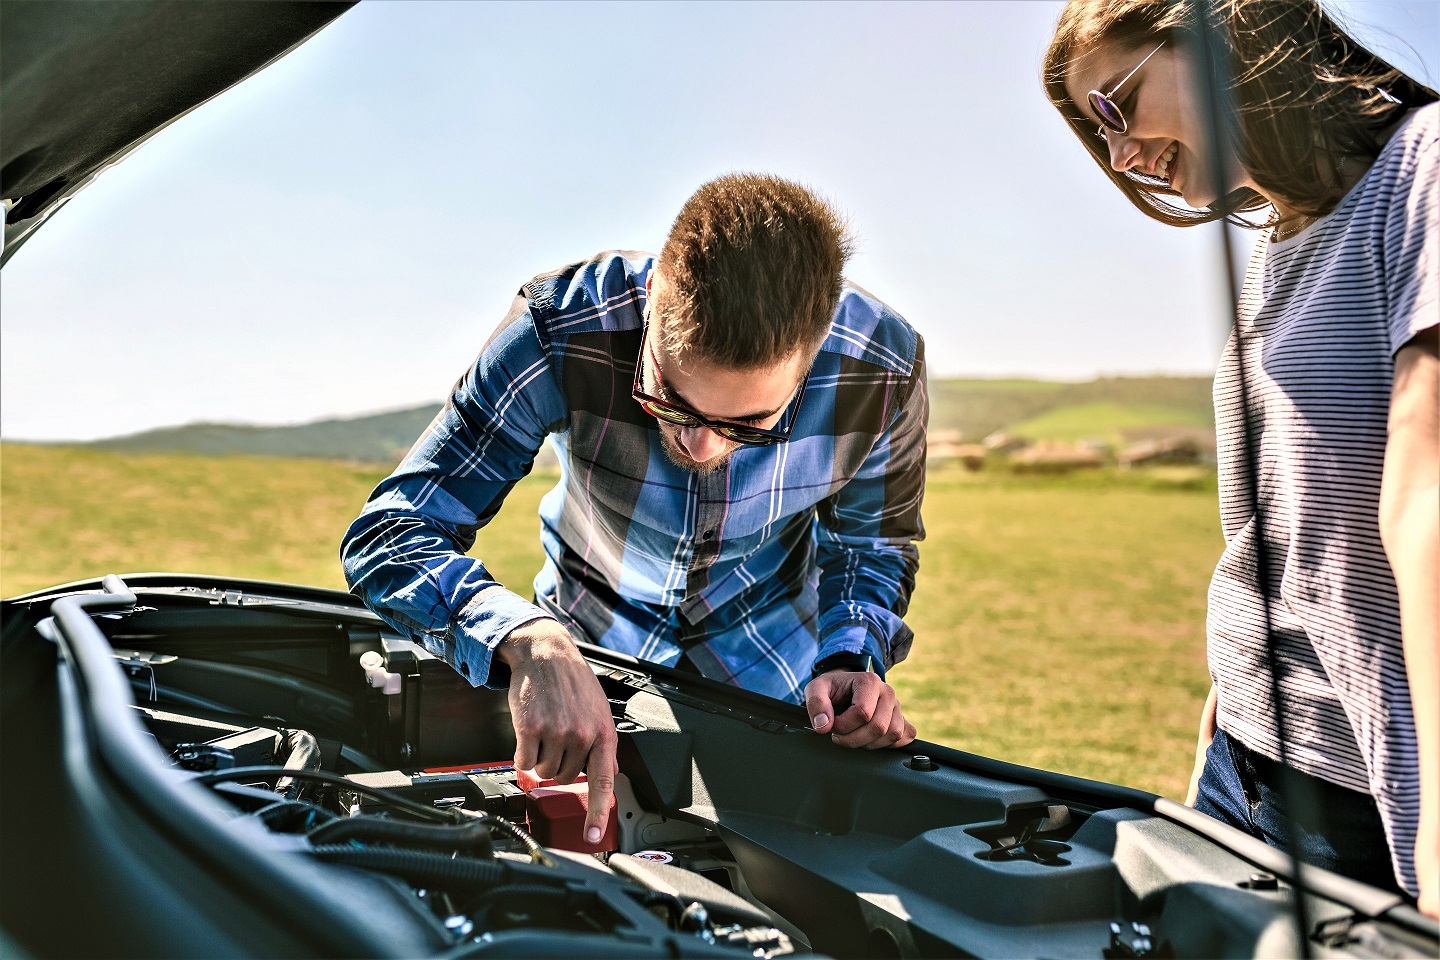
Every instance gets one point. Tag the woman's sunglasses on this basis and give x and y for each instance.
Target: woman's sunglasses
(1110, 115)
(681, 416)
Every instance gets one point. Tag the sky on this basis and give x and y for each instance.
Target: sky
(339, 234)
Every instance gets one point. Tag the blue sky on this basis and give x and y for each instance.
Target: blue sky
(339, 234)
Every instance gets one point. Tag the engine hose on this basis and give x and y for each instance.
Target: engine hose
(414, 866)
(532, 847)
(473, 835)
(302, 752)
(264, 772)
(286, 815)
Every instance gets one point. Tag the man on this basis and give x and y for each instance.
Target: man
(742, 450)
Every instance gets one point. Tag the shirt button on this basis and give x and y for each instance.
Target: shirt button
(708, 535)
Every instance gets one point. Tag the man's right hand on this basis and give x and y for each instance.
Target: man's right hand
(563, 725)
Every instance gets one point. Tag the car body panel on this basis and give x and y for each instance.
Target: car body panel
(86, 82)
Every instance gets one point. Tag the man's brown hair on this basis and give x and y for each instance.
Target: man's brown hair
(751, 272)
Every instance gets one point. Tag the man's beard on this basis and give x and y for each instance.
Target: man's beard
(684, 462)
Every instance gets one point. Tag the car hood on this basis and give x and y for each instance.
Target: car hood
(83, 83)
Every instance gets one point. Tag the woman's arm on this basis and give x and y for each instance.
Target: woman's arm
(1410, 529)
(1202, 744)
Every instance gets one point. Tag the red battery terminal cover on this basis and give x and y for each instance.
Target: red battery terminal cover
(528, 780)
(555, 815)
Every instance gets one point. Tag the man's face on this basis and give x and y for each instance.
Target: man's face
(753, 396)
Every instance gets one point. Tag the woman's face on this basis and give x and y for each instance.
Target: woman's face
(1166, 136)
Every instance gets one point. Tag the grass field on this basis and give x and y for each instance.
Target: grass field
(1051, 410)
(1105, 421)
(1059, 621)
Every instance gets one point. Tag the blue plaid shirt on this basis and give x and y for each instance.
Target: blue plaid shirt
(794, 551)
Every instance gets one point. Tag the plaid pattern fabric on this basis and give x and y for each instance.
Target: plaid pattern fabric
(792, 552)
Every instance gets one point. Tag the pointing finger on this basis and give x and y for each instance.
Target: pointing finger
(600, 775)
(527, 749)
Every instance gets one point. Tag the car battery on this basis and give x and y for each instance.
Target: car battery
(429, 789)
(555, 814)
(485, 787)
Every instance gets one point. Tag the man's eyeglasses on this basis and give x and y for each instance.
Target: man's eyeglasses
(681, 416)
(1110, 115)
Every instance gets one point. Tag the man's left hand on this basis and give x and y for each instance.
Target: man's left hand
(869, 714)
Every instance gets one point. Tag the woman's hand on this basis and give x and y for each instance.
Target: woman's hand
(1202, 744)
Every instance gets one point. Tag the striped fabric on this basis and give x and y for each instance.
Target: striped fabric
(793, 551)
(1322, 316)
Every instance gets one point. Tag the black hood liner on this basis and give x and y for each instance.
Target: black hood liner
(81, 82)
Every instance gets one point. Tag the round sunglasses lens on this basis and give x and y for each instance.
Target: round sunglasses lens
(1107, 112)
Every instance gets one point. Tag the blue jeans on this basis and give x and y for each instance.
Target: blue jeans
(1333, 827)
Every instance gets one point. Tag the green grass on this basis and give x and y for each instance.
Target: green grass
(1105, 421)
(977, 407)
(1059, 621)
(68, 514)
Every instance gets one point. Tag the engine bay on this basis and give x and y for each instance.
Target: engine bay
(475, 850)
(314, 784)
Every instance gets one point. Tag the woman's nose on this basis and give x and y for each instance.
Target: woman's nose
(1124, 151)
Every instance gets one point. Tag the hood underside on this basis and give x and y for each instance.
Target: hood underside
(83, 82)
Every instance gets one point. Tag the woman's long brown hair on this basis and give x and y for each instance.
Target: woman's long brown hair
(1307, 97)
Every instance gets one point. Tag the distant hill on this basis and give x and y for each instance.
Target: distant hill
(1045, 409)
(379, 438)
(1036, 409)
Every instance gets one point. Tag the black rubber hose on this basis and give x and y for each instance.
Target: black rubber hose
(302, 752)
(395, 800)
(421, 869)
(537, 852)
(292, 815)
(473, 836)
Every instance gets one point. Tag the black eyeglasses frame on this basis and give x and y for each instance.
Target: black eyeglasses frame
(680, 416)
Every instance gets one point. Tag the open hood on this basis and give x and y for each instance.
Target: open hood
(84, 82)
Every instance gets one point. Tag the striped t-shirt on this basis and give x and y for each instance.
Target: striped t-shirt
(1321, 318)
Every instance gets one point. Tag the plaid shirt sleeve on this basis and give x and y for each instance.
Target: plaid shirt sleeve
(405, 554)
(867, 533)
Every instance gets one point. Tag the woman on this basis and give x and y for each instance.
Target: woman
(1336, 342)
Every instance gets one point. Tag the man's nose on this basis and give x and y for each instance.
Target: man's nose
(701, 443)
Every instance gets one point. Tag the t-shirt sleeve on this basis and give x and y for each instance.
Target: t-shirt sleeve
(1412, 247)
